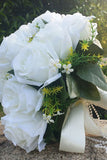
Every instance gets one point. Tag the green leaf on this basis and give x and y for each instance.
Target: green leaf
(92, 73)
(94, 48)
(64, 93)
(49, 135)
(53, 130)
(72, 86)
(87, 90)
(45, 22)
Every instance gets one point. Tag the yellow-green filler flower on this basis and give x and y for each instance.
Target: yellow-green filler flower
(84, 46)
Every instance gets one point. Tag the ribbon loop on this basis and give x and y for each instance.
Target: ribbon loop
(73, 133)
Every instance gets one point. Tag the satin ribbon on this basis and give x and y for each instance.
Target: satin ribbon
(78, 123)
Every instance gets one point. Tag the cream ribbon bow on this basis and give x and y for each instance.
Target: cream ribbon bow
(78, 122)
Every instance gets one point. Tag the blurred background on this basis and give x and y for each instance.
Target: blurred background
(14, 13)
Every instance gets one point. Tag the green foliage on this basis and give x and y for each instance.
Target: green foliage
(82, 88)
(78, 60)
(18, 12)
(1, 111)
(53, 131)
(104, 68)
(92, 73)
(92, 49)
(56, 98)
(97, 8)
(85, 53)
(52, 90)
(51, 102)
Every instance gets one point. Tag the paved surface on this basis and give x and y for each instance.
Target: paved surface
(10, 152)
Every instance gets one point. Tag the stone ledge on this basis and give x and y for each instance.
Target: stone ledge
(9, 152)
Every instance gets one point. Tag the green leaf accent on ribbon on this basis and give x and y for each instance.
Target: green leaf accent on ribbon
(92, 73)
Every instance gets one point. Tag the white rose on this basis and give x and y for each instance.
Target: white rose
(87, 34)
(24, 130)
(32, 65)
(56, 39)
(5, 64)
(2, 82)
(78, 26)
(25, 32)
(9, 48)
(17, 97)
(12, 45)
(47, 17)
(76, 21)
(73, 24)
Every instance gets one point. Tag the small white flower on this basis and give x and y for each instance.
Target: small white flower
(55, 63)
(58, 113)
(48, 118)
(67, 69)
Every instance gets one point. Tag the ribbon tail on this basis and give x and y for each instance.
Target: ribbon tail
(91, 128)
(73, 132)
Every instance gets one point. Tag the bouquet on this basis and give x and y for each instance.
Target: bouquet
(50, 81)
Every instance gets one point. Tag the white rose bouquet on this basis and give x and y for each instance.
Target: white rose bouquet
(50, 80)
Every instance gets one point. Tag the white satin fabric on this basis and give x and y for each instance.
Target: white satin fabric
(73, 133)
(79, 123)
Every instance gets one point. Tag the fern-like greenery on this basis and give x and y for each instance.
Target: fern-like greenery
(76, 59)
(51, 102)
